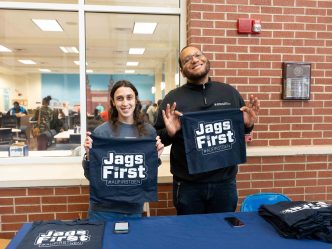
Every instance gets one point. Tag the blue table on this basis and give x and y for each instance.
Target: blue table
(196, 232)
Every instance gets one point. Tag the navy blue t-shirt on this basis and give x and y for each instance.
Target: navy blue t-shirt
(213, 139)
(79, 234)
(123, 169)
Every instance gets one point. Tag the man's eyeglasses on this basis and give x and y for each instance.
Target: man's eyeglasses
(198, 55)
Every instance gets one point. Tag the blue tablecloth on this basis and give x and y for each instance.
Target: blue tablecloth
(196, 232)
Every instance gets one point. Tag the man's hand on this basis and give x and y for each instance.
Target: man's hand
(250, 111)
(171, 119)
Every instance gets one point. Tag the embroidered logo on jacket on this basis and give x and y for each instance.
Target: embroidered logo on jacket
(54, 238)
(123, 169)
(214, 136)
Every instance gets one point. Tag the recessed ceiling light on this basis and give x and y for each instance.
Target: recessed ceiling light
(48, 25)
(27, 62)
(129, 71)
(78, 63)
(72, 50)
(44, 70)
(144, 27)
(132, 63)
(136, 50)
(4, 49)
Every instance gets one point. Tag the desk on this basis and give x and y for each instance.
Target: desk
(196, 232)
(64, 134)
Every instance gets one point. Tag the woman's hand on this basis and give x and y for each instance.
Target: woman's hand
(160, 146)
(87, 144)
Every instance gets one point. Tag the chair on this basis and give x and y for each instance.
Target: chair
(253, 202)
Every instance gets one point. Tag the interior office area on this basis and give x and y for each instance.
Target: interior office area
(291, 148)
(40, 61)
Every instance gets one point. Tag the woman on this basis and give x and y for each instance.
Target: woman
(125, 120)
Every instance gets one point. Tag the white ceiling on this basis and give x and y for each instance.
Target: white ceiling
(109, 37)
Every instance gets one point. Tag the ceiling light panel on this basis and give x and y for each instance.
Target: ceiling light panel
(129, 71)
(48, 25)
(27, 62)
(71, 50)
(4, 49)
(44, 70)
(136, 50)
(132, 63)
(144, 27)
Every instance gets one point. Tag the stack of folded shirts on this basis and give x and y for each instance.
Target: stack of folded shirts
(300, 219)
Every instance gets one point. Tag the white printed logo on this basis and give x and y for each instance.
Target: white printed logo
(310, 205)
(54, 238)
(123, 169)
(214, 136)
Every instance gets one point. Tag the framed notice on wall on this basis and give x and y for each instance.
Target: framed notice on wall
(296, 80)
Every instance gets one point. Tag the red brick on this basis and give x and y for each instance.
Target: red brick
(67, 191)
(42, 216)
(6, 201)
(54, 199)
(12, 192)
(11, 226)
(78, 207)
(6, 210)
(54, 208)
(27, 200)
(14, 218)
(40, 191)
(28, 209)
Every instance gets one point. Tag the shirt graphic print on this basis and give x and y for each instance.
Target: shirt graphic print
(123, 169)
(213, 139)
(78, 234)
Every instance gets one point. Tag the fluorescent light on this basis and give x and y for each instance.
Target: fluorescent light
(4, 49)
(78, 63)
(153, 90)
(72, 50)
(162, 85)
(89, 71)
(132, 63)
(129, 71)
(144, 27)
(48, 25)
(27, 62)
(136, 50)
(44, 70)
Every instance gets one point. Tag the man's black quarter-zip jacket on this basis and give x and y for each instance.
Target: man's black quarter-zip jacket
(190, 98)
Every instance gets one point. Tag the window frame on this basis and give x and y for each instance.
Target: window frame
(39, 163)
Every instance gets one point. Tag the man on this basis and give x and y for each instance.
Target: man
(151, 113)
(213, 191)
(17, 110)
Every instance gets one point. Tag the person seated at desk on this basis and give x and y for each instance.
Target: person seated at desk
(17, 110)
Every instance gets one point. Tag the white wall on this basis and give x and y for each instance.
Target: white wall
(29, 86)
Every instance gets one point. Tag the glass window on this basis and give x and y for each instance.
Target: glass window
(38, 51)
(140, 3)
(117, 49)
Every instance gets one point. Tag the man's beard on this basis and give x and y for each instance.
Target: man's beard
(196, 76)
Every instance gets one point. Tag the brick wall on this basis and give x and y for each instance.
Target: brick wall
(292, 30)
(300, 177)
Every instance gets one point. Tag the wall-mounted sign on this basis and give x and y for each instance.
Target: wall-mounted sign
(296, 80)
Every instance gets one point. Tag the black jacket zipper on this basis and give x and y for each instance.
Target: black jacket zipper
(204, 94)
